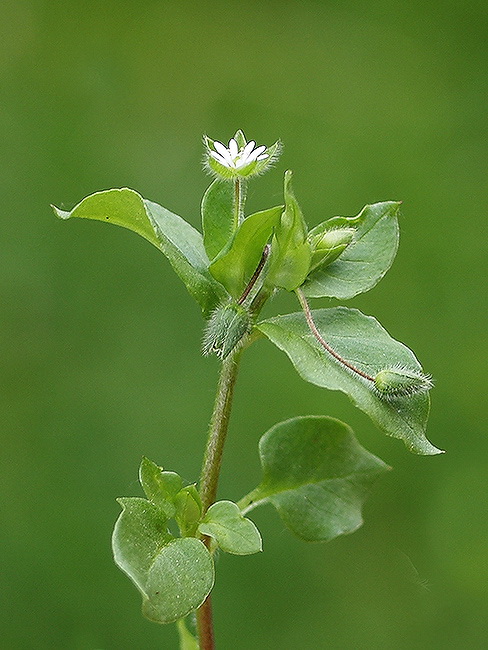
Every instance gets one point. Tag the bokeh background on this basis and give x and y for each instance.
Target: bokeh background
(100, 358)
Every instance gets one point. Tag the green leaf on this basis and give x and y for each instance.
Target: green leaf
(139, 535)
(290, 252)
(188, 509)
(236, 264)
(180, 579)
(187, 640)
(363, 342)
(317, 476)
(177, 239)
(365, 261)
(159, 486)
(219, 218)
(174, 575)
(234, 533)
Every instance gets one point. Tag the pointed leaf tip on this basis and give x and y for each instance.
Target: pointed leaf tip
(362, 265)
(173, 236)
(363, 341)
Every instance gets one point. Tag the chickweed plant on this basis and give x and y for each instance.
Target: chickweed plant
(314, 471)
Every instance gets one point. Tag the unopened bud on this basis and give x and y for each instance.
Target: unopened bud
(401, 382)
(329, 245)
(188, 509)
(225, 329)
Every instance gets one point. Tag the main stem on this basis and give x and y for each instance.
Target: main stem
(209, 479)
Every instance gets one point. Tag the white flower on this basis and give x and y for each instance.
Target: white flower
(234, 158)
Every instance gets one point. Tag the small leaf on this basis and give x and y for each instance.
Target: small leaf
(177, 239)
(159, 486)
(180, 579)
(219, 218)
(236, 264)
(316, 475)
(174, 575)
(139, 535)
(187, 640)
(233, 532)
(362, 265)
(290, 251)
(188, 509)
(363, 342)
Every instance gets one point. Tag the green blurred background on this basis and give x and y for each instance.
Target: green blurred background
(100, 358)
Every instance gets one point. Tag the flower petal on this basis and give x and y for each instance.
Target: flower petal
(222, 150)
(233, 148)
(220, 159)
(241, 162)
(248, 148)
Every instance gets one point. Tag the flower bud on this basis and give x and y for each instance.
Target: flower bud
(401, 382)
(330, 244)
(225, 329)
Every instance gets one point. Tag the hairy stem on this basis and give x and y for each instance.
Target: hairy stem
(212, 461)
(322, 341)
(239, 196)
(205, 626)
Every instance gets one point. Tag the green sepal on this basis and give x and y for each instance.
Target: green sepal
(291, 252)
(362, 341)
(236, 264)
(316, 475)
(365, 261)
(159, 486)
(240, 138)
(188, 510)
(233, 532)
(226, 329)
(174, 575)
(252, 169)
(219, 217)
(172, 235)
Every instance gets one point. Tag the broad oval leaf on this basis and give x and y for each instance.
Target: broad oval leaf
(219, 218)
(363, 342)
(236, 264)
(233, 532)
(177, 239)
(179, 580)
(317, 476)
(365, 261)
(174, 575)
